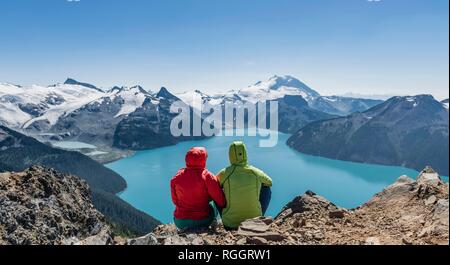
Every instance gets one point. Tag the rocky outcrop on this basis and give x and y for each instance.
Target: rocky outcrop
(407, 212)
(42, 206)
(18, 152)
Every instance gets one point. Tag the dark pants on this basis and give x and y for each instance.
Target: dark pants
(264, 198)
(197, 224)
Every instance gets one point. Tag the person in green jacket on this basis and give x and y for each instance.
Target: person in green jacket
(247, 188)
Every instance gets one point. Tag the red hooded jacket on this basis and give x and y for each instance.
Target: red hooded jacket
(194, 187)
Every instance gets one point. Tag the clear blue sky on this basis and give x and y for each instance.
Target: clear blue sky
(336, 46)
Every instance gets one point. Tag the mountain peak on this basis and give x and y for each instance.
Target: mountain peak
(140, 88)
(283, 77)
(415, 100)
(402, 106)
(277, 87)
(289, 81)
(118, 89)
(71, 81)
(278, 81)
(164, 93)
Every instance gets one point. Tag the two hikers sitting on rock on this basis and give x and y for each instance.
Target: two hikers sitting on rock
(239, 192)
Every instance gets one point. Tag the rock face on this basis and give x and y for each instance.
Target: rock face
(41, 206)
(407, 212)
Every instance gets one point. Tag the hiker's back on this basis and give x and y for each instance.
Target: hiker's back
(241, 187)
(191, 189)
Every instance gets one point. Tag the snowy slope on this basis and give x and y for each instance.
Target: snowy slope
(274, 88)
(133, 98)
(22, 106)
(277, 87)
(190, 96)
(74, 97)
(11, 115)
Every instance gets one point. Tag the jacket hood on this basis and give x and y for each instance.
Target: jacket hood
(238, 153)
(196, 157)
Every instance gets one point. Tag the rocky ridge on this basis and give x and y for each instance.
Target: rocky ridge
(407, 212)
(43, 207)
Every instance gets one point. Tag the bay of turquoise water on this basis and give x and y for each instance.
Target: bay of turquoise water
(347, 184)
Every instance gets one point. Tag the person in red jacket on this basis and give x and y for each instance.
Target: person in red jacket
(194, 191)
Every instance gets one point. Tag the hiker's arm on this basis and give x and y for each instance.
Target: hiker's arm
(263, 177)
(173, 191)
(214, 190)
(219, 177)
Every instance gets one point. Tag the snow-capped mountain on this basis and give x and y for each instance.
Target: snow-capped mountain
(165, 94)
(40, 107)
(277, 87)
(208, 100)
(79, 111)
(149, 126)
(96, 121)
(22, 106)
(291, 94)
(123, 117)
(133, 98)
(274, 88)
(72, 110)
(188, 97)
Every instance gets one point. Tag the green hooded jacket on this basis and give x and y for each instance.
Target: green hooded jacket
(242, 186)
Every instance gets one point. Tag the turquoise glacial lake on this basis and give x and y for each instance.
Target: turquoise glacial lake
(347, 184)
